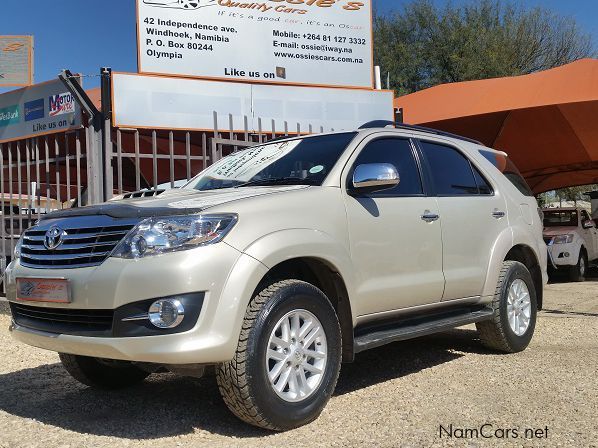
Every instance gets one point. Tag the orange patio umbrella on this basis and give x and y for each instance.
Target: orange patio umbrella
(546, 121)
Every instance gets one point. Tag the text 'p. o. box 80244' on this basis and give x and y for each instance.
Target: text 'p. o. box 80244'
(299, 42)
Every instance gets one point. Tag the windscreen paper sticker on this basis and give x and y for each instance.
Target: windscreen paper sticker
(244, 165)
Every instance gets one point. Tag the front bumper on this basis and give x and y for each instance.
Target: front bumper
(561, 255)
(226, 277)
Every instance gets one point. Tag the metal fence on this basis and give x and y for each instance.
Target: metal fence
(151, 158)
(37, 176)
(43, 174)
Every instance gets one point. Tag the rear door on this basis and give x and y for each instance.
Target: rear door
(472, 215)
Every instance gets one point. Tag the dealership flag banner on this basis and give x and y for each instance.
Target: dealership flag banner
(41, 109)
(16, 61)
(298, 42)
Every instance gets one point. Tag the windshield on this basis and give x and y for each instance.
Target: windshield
(560, 218)
(300, 161)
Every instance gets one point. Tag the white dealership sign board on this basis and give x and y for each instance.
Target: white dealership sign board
(297, 42)
(142, 101)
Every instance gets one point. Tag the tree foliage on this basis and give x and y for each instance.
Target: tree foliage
(423, 45)
(570, 194)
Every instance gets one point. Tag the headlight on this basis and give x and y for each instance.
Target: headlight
(155, 236)
(563, 239)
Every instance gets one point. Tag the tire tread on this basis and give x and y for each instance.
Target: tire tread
(235, 379)
(491, 332)
(231, 376)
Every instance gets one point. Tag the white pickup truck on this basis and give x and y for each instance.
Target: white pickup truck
(572, 240)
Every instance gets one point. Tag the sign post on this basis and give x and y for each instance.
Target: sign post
(326, 43)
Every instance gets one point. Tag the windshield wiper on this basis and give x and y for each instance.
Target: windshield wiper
(277, 181)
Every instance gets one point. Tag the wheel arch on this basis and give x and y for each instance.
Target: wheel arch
(516, 244)
(525, 254)
(326, 277)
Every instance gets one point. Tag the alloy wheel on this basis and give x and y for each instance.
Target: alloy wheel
(519, 307)
(296, 356)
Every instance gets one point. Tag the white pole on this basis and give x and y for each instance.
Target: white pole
(378, 77)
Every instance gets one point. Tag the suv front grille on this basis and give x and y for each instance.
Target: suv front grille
(62, 320)
(81, 246)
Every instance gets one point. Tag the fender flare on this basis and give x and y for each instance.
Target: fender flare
(520, 237)
(500, 249)
(284, 245)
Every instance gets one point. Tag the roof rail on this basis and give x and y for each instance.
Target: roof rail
(412, 127)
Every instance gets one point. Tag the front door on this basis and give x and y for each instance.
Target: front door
(397, 254)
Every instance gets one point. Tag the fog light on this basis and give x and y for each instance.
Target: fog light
(166, 313)
(566, 254)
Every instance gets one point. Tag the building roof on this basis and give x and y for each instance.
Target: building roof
(545, 121)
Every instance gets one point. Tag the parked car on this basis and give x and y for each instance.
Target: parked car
(572, 240)
(281, 261)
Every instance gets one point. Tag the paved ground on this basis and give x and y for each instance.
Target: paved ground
(398, 395)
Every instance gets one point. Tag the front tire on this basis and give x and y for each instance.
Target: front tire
(102, 374)
(577, 273)
(515, 308)
(287, 360)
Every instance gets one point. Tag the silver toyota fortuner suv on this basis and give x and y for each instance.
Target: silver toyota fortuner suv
(279, 262)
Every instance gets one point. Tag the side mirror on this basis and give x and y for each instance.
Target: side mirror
(372, 177)
(587, 224)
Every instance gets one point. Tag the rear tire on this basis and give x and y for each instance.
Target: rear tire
(515, 308)
(284, 370)
(577, 273)
(102, 374)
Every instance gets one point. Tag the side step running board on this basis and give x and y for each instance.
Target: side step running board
(414, 328)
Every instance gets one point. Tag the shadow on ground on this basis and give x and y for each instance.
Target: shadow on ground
(166, 405)
(562, 276)
(569, 313)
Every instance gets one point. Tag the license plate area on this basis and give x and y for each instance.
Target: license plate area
(55, 290)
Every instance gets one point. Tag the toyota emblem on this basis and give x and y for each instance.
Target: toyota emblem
(53, 237)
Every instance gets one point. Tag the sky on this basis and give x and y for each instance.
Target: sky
(84, 35)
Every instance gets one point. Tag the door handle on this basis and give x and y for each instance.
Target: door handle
(498, 214)
(428, 216)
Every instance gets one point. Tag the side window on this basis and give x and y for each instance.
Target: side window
(584, 216)
(399, 153)
(451, 171)
(510, 171)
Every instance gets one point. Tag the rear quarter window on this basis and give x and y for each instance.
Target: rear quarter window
(509, 170)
